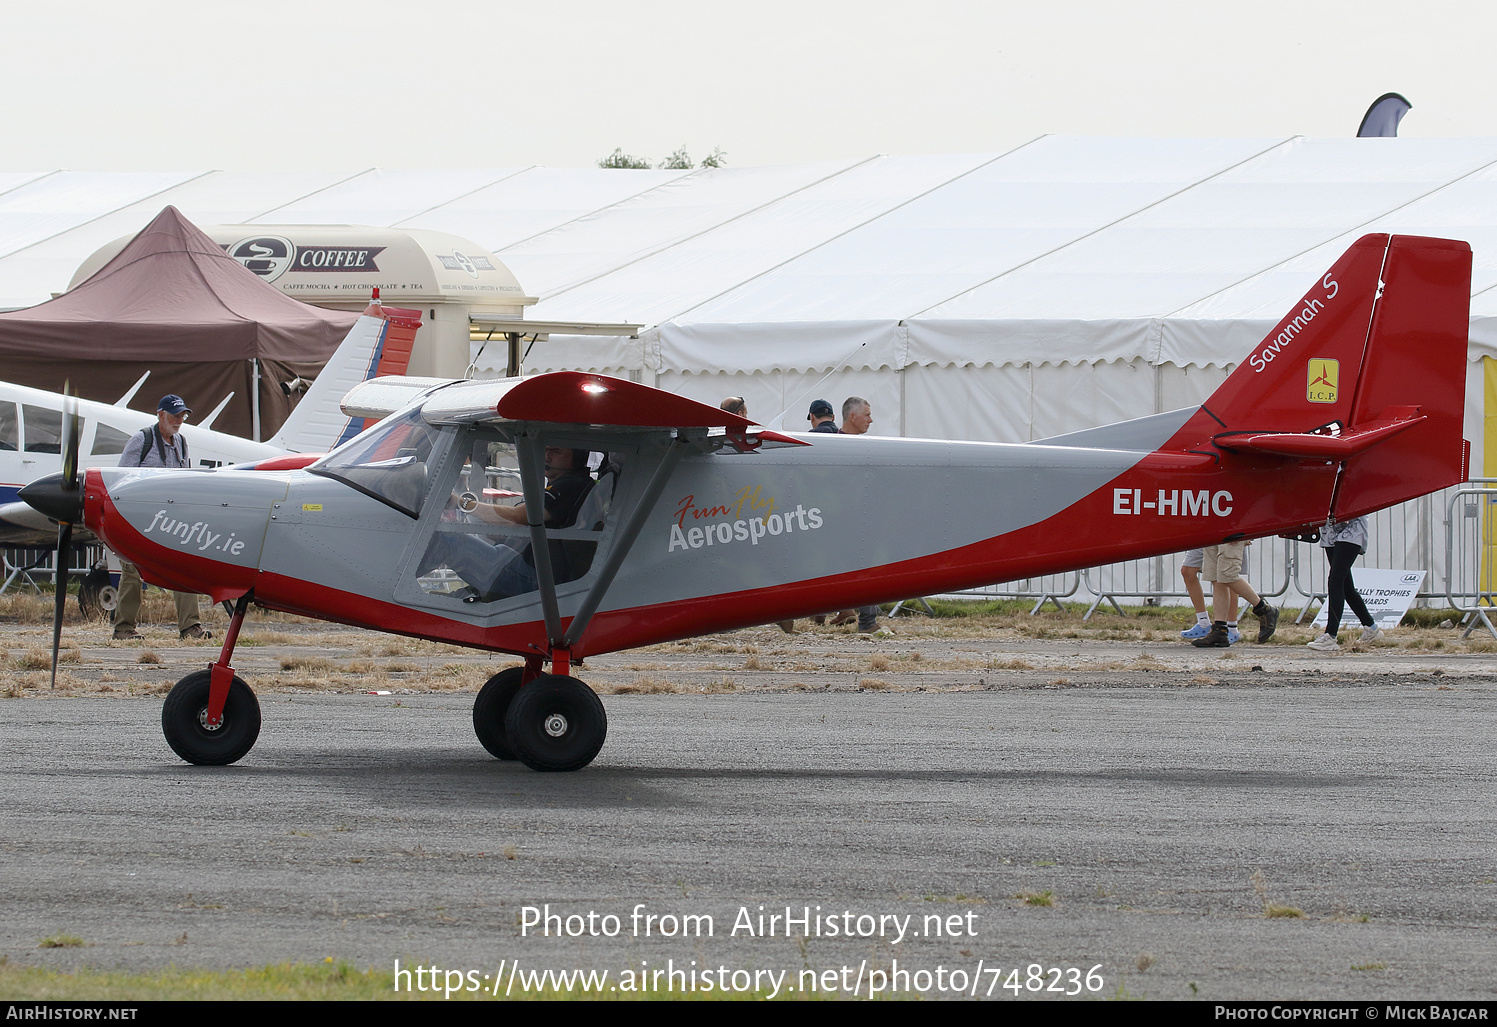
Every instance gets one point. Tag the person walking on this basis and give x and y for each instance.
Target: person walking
(1343, 542)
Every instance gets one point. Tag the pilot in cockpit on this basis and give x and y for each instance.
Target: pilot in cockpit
(493, 570)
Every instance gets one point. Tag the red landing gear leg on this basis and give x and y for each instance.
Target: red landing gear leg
(222, 673)
(532, 669)
(561, 661)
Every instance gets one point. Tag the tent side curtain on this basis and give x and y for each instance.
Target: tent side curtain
(806, 346)
(614, 355)
(1482, 342)
(1001, 343)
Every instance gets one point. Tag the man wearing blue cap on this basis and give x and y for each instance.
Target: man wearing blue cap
(160, 445)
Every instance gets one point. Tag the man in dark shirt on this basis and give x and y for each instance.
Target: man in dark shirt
(823, 418)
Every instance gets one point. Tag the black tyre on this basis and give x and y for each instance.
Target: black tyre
(186, 709)
(490, 708)
(556, 723)
(92, 593)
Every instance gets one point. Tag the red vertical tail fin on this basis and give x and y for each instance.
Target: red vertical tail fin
(1416, 358)
(1366, 374)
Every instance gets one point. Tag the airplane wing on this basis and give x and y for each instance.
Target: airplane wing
(580, 400)
(23, 525)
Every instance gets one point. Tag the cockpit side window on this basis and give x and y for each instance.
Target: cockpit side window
(43, 429)
(10, 431)
(389, 461)
(481, 552)
(108, 441)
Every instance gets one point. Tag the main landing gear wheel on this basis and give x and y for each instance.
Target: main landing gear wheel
(489, 711)
(184, 721)
(556, 723)
(96, 596)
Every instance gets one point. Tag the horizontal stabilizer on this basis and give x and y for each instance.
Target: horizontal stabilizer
(1315, 446)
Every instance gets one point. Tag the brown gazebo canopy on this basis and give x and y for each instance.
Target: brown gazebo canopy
(172, 302)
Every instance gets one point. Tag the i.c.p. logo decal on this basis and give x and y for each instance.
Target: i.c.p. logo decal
(1321, 377)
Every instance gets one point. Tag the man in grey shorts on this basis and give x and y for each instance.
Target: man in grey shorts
(1222, 566)
(1190, 573)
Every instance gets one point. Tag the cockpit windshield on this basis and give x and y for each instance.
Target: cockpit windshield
(388, 462)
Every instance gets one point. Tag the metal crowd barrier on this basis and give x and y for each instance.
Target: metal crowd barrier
(1048, 588)
(1265, 565)
(22, 566)
(1471, 522)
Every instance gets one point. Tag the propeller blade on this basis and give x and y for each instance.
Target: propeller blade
(64, 549)
(70, 431)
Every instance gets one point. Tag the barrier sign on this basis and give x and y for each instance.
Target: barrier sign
(1386, 593)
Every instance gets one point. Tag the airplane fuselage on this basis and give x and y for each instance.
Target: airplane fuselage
(734, 539)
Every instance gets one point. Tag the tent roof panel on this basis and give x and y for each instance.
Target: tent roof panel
(667, 215)
(537, 200)
(1239, 225)
(1001, 216)
(380, 198)
(668, 283)
(56, 203)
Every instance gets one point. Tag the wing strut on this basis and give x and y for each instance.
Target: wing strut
(532, 459)
(622, 543)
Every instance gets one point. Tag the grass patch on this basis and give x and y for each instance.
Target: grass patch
(62, 941)
(316, 664)
(648, 685)
(327, 981)
(1273, 910)
(1037, 898)
(41, 659)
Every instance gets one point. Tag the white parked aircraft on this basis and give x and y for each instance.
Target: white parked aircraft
(31, 422)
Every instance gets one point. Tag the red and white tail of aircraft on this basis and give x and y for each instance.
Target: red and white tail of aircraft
(378, 345)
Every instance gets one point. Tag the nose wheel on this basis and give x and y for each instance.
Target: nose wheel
(552, 723)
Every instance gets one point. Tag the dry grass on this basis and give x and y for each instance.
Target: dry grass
(1273, 910)
(308, 663)
(647, 685)
(878, 661)
(41, 659)
(875, 684)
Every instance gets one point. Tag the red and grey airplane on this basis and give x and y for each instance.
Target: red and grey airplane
(568, 514)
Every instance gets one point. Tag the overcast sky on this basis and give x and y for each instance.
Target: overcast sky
(337, 84)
